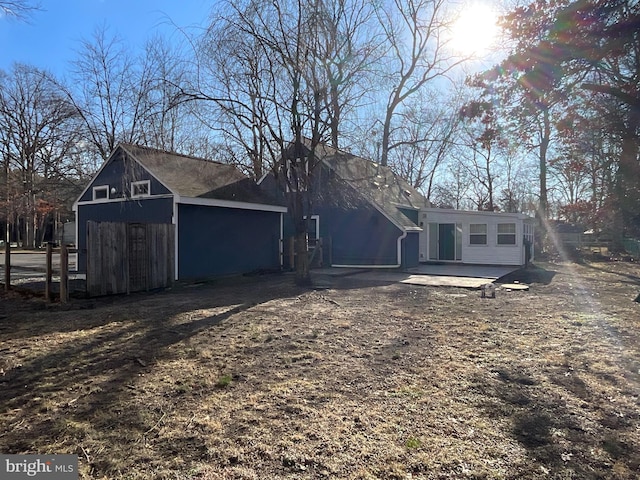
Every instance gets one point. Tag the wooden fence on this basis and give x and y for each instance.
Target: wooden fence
(129, 257)
(319, 251)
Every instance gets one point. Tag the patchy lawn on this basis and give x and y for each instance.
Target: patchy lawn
(262, 380)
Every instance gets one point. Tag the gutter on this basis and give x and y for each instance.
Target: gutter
(398, 265)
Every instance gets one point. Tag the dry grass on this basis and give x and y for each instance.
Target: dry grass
(262, 380)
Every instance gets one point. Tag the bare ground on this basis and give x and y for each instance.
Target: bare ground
(257, 379)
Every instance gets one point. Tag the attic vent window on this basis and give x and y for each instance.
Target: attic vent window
(297, 173)
(140, 189)
(101, 192)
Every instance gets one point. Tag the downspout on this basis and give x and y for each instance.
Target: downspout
(281, 241)
(174, 220)
(399, 254)
(77, 230)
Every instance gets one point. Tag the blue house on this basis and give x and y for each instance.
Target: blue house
(366, 215)
(224, 223)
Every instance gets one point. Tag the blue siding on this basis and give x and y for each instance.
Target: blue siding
(216, 241)
(119, 173)
(411, 250)
(360, 237)
(150, 210)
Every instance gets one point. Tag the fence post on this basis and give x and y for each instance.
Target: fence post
(7, 262)
(64, 273)
(49, 275)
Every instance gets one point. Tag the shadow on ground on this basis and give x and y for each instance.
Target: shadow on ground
(529, 275)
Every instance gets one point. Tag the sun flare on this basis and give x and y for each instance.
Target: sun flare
(475, 30)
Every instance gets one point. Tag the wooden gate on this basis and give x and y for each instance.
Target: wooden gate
(129, 257)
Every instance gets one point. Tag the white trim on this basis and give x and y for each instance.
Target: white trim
(99, 188)
(264, 175)
(281, 240)
(505, 215)
(139, 183)
(121, 199)
(78, 240)
(317, 220)
(213, 202)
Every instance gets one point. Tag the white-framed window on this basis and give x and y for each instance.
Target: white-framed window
(478, 234)
(297, 175)
(101, 192)
(314, 228)
(506, 234)
(140, 189)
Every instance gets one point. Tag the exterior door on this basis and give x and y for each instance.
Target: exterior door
(447, 241)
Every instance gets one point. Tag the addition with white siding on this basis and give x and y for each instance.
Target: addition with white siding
(473, 237)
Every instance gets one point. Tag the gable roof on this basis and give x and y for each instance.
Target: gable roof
(183, 175)
(192, 177)
(378, 184)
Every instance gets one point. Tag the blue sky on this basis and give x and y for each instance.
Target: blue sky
(52, 36)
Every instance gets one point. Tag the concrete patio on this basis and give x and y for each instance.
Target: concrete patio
(435, 275)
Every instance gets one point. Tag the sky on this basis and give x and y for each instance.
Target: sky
(51, 38)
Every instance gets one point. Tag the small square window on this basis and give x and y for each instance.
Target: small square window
(506, 234)
(478, 234)
(101, 192)
(297, 173)
(140, 189)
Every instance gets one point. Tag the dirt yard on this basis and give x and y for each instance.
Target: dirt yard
(257, 379)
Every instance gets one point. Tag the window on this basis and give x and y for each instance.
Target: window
(313, 235)
(140, 189)
(297, 171)
(101, 192)
(506, 234)
(478, 234)
(528, 233)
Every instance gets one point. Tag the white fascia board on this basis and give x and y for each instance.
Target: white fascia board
(121, 199)
(483, 213)
(214, 202)
(262, 178)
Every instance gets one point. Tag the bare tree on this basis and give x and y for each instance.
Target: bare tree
(271, 88)
(38, 129)
(424, 139)
(166, 123)
(18, 9)
(110, 93)
(452, 190)
(417, 55)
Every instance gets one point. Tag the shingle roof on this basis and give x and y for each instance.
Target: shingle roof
(195, 177)
(377, 183)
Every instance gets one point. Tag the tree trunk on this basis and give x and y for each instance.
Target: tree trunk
(544, 147)
(626, 188)
(303, 272)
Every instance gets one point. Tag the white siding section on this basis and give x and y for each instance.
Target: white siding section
(489, 254)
